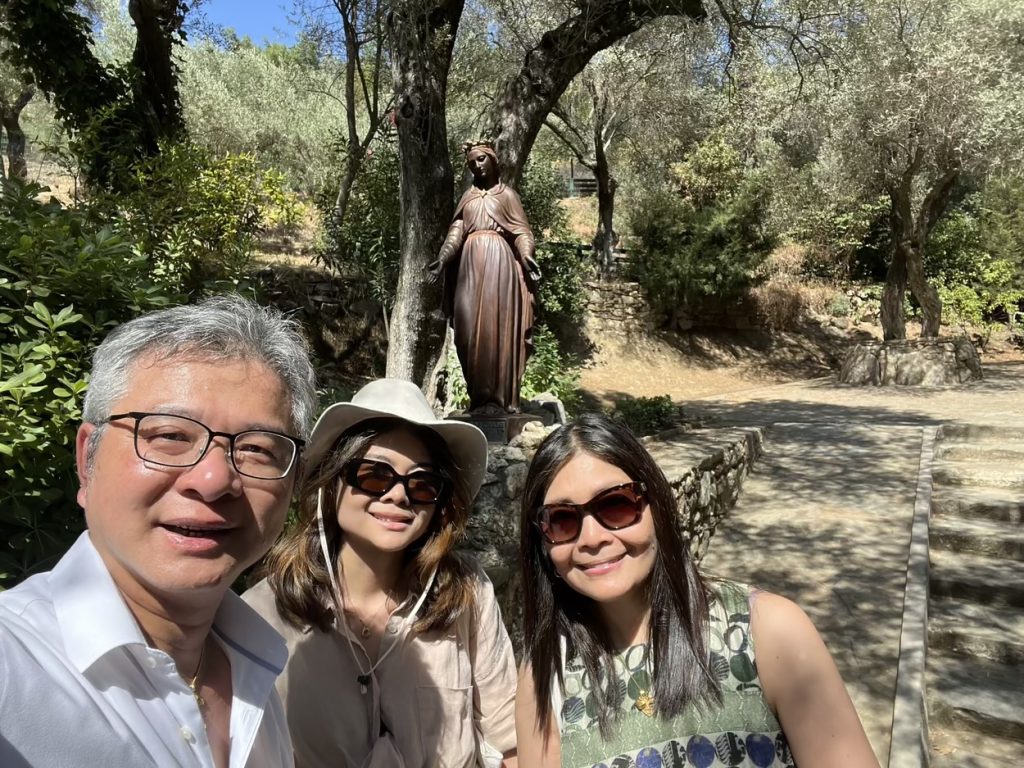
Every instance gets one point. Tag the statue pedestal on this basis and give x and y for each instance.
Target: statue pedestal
(499, 428)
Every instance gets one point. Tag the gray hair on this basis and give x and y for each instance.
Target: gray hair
(219, 328)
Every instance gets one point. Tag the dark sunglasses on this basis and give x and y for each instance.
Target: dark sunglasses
(615, 508)
(377, 478)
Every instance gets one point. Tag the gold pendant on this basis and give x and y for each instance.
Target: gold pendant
(645, 703)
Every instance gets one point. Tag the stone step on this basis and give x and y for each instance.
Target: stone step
(977, 433)
(1008, 453)
(993, 538)
(979, 503)
(994, 474)
(966, 628)
(988, 580)
(977, 695)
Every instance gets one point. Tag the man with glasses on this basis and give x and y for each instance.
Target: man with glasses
(133, 651)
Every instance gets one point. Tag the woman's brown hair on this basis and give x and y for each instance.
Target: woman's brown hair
(295, 567)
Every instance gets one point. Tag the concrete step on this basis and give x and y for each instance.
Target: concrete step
(1011, 453)
(982, 537)
(977, 433)
(966, 628)
(992, 473)
(975, 694)
(979, 502)
(955, 748)
(988, 580)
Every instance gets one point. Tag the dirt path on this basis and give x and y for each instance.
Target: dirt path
(715, 363)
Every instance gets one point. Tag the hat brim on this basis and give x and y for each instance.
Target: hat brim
(468, 445)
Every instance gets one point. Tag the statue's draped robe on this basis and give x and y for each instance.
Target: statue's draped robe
(487, 294)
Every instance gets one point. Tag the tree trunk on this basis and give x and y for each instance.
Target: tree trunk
(422, 37)
(10, 117)
(894, 323)
(158, 26)
(522, 104)
(605, 238)
(924, 292)
(16, 166)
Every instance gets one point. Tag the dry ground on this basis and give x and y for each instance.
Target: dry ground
(714, 363)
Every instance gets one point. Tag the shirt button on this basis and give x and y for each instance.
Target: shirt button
(187, 735)
(150, 662)
(392, 627)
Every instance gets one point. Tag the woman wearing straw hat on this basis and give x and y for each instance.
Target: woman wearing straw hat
(398, 655)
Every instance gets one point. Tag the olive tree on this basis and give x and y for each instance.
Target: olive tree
(927, 94)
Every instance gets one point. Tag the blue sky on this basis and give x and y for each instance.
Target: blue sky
(259, 19)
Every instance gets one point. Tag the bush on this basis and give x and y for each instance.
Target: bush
(687, 253)
(646, 415)
(198, 217)
(551, 370)
(66, 280)
(365, 246)
(562, 297)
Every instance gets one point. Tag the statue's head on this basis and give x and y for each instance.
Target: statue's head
(481, 159)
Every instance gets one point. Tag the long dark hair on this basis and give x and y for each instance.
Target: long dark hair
(295, 567)
(677, 594)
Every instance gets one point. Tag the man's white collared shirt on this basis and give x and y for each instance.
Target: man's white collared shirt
(80, 687)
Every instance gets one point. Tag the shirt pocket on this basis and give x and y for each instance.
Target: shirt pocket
(446, 725)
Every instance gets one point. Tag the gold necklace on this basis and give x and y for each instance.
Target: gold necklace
(644, 702)
(194, 682)
(365, 629)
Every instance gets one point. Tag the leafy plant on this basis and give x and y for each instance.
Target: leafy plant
(551, 370)
(365, 246)
(689, 252)
(646, 415)
(67, 279)
(198, 217)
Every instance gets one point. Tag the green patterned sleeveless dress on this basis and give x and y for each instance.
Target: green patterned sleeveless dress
(742, 732)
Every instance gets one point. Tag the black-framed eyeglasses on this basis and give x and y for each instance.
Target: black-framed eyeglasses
(614, 508)
(376, 478)
(178, 441)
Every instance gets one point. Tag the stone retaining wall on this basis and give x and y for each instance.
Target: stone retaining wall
(923, 362)
(705, 468)
(618, 309)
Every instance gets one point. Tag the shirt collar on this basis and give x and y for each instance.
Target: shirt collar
(91, 613)
(94, 619)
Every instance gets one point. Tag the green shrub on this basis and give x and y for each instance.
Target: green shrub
(66, 280)
(541, 191)
(551, 370)
(562, 297)
(687, 253)
(646, 415)
(365, 246)
(839, 305)
(198, 217)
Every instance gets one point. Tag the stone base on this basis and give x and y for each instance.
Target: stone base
(500, 428)
(914, 362)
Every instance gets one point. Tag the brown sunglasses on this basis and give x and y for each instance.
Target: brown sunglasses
(614, 508)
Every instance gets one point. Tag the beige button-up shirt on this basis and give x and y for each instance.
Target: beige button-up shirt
(432, 696)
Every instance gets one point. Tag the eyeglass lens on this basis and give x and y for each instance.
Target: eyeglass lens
(377, 478)
(177, 441)
(615, 508)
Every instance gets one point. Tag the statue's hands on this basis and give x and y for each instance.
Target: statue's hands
(533, 274)
(434, 270)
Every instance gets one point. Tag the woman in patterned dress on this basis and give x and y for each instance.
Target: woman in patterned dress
(632, 657)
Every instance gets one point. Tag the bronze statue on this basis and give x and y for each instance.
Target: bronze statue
(490, 283)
